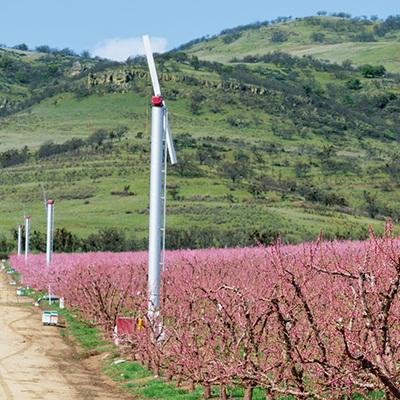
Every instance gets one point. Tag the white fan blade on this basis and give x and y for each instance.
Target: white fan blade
(169, 140)
(152, 65)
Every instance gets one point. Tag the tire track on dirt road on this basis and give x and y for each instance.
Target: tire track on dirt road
(4, 387)
(28, 343)
(5, 297)
(27, 339)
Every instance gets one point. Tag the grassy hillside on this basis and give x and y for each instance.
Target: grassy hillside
(270, 145)
(329, 38)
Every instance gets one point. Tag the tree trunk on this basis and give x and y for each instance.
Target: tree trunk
(207, 391)
(269, 395)
(156, 368)
(222, 393)
(248, 393)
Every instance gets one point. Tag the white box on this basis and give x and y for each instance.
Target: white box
(50, 317)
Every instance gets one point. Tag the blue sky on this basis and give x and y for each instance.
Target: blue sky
(113, 28)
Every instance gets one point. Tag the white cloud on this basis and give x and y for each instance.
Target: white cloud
(119, 49)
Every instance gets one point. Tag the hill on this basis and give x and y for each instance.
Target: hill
(270, 145)
(333, 38)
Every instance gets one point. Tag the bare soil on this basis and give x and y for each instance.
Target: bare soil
(37, 364)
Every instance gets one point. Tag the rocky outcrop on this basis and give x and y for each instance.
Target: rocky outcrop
(76, 69)
(124, 77)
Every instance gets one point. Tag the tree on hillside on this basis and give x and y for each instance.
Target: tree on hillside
(279, 36)
(354, 84)
(372, 71)
(302, 169)
(109, 239)
(13, 157)
(234, 170)
(371, 204)
(341, 15)
(44, 48)
(186, 166)
(207, 155)
(65, 241)
(195, 62)
(67, 52)
(120, 132)
(85, 54)
(173, 191)
(317, 37)
(21, 46)
(393, 168)
(195, 101)
(98, 137)
(364, 37)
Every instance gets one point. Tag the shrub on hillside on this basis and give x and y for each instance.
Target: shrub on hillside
(109, 239)
(49, 148)
(364, 37)
(231, 37)
(21, 46)
(14, 157)
(279, 36)
(372, 71)
(317, 37)
(354, 84)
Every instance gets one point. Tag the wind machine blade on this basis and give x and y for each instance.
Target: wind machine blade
(169, 140)
(152, 65)
(157, 92)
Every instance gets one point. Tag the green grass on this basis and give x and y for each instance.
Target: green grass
(139, 381)
(134, 378)
(386, 53)
(65, 116)
(339, 46)
(203, 201)
(87, 336)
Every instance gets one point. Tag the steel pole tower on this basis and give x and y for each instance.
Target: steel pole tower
(50, 224)
(27, 229)
(161, 139)
(157, 134)
(49, 242)
(19, 243)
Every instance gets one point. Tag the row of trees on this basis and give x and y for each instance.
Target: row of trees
(48, 149)
(49, 50)
(108, 239)
(286, 60)
(116, 240)
(95, 140)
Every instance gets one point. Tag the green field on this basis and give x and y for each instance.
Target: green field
(277, 146)
(338, 45)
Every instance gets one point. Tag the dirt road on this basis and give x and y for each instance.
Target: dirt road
(35, 362)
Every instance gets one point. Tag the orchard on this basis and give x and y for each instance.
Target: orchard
(320, 320)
